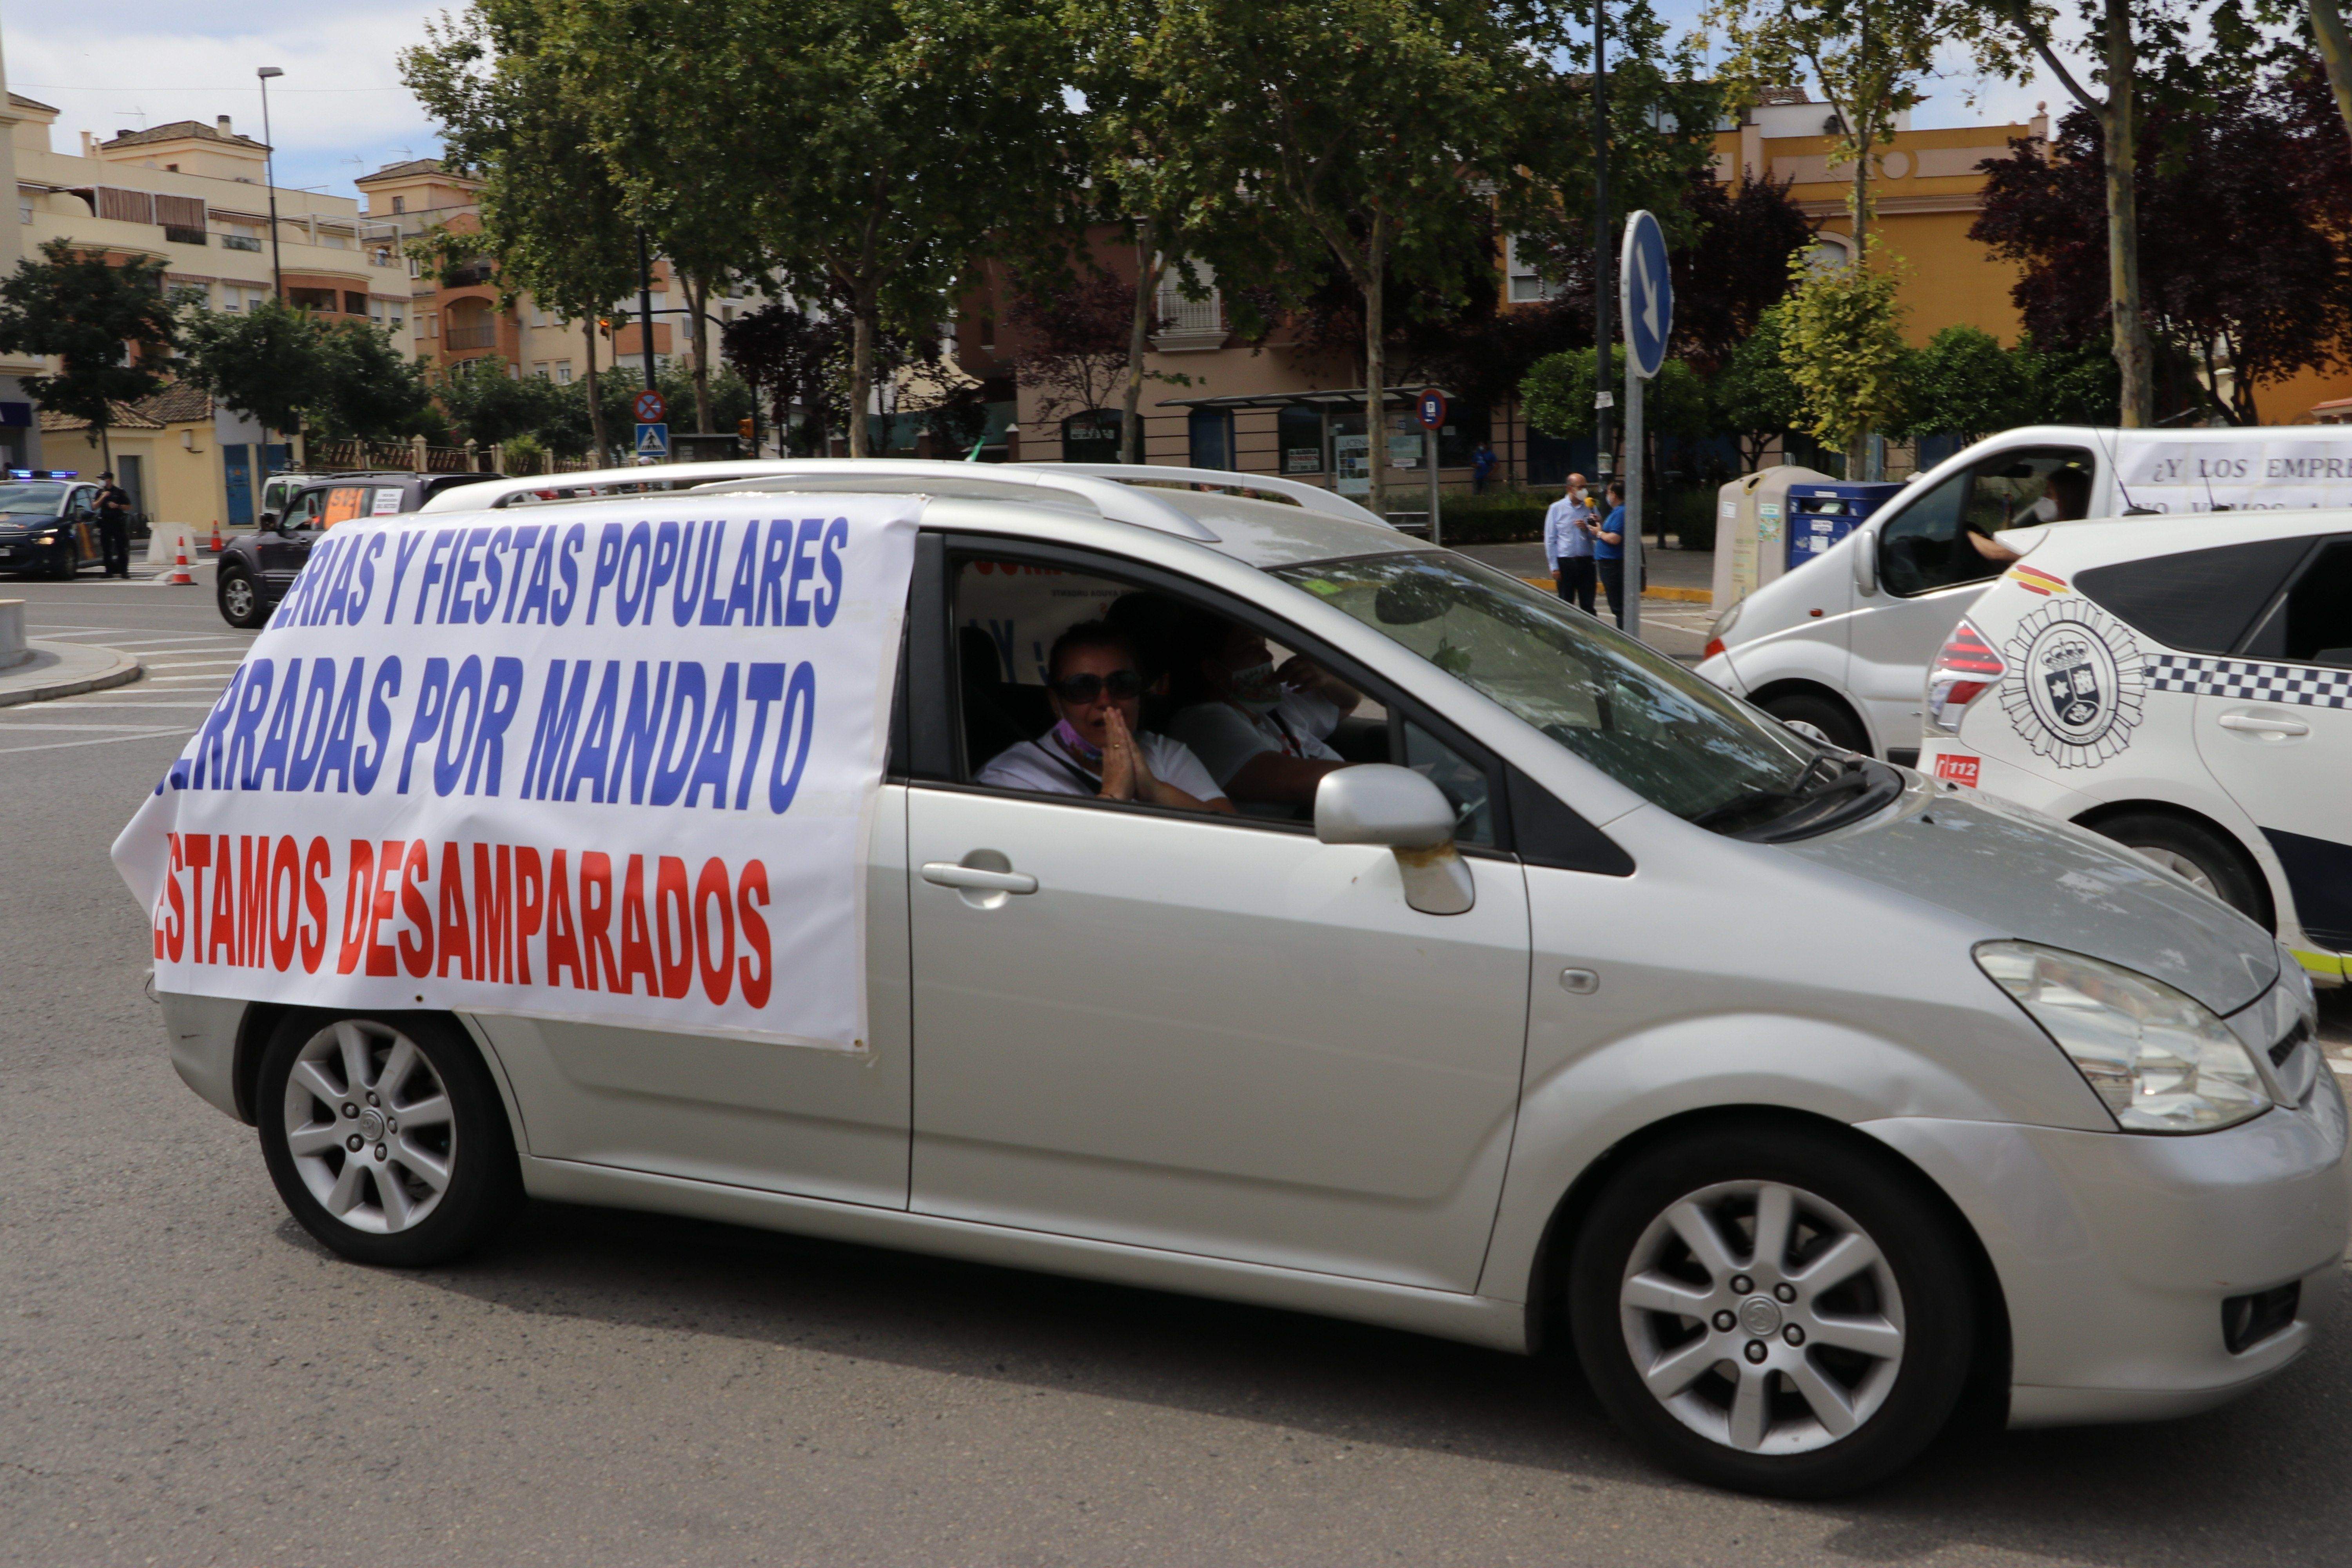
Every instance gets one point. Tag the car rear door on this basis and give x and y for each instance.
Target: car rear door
(2275, 726)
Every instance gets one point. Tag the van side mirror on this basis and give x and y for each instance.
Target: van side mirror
(1378, 803)
(1865, 563)
(268, 522)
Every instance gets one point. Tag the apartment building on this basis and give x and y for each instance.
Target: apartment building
(459, 316)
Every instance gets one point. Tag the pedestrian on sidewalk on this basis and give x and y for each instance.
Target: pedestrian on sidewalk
(114, 525)
(1609, 549)
(1482, 463)
(1568, 544)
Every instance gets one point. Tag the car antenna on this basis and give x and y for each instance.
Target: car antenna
(2116, 467)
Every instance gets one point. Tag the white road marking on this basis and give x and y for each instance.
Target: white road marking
(140, 728)
(96, 702)
(102, 740)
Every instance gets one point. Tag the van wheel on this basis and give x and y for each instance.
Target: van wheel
(240, 599)
(386, 1136)
(1819, 719)
(1773, 1310)
(2196, 854)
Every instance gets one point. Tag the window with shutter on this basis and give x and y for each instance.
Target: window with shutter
(125, 206)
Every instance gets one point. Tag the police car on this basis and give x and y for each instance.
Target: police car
(2183, 686)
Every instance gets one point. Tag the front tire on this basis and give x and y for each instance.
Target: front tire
(1820, 719)
(240, 600)
(2196, 854)
(386, 1136)
(1774, 1310)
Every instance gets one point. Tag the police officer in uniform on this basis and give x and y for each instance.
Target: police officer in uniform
(114, 525)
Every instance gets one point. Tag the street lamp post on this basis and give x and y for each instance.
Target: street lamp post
(270, 175)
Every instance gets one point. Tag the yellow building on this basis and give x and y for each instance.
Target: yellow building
(167, 443)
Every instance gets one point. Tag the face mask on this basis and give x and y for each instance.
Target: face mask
(1077, 744)
(1255, 688)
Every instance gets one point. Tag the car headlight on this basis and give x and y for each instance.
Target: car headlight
(1725, 622)
(2160, 1061)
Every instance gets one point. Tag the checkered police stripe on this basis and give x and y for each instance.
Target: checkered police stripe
(2297, 683)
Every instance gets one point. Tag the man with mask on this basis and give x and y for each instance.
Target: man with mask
(1263, 733)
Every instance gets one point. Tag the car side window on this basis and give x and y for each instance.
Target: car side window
(2313, 623)
(2200, 601)
(1931, 543)
(303, 513)
(1467, 787)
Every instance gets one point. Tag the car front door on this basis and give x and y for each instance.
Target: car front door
(1928, 574)
(281, 555)
(2275, 726)
(1210, 1035)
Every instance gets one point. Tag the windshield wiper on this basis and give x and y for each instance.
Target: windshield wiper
(1839, 781)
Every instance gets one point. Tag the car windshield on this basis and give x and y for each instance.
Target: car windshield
(1630, 712)
(38, 496)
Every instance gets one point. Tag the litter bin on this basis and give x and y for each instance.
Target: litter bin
(1820, 514)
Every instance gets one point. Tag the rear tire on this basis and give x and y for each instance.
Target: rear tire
(1820, 719)
(1806, 1368)
(386, 1136)
(2195, 853)
(240, 599)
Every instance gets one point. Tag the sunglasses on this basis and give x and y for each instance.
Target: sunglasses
(1121, 684)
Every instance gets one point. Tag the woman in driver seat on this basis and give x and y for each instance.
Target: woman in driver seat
(1098, 746)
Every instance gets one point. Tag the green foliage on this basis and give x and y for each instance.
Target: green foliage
(521, 454)
(487, 406)
(86, 310)
(2078, 385)
(1558, 396)
(268, 363)
(371, 389)
(1842, 346)
(1755, 397)
(1963, 382)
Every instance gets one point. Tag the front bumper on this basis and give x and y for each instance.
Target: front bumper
(2116, 1251)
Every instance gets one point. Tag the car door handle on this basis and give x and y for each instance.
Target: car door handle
(2249, 723)
(947, 874)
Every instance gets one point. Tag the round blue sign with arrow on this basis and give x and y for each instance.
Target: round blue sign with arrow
(1648, 294)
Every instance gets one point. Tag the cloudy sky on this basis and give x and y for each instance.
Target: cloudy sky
(340, 109)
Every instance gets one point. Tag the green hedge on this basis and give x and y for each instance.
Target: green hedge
(1512, 516)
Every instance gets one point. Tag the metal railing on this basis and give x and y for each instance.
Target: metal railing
(1178, 314)
(471, 337)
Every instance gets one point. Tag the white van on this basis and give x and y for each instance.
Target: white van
(1839, 648)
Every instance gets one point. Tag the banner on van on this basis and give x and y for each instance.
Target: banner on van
(613, 763)
(2266, 470)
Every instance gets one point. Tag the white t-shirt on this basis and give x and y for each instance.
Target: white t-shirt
(1042, 766)
(1225, 737)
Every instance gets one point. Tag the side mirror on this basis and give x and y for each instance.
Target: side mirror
(1377, 803)
(1865, 563)
(268, 523)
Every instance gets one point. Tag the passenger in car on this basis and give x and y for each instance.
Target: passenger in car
(1264, 734)
(1098, 745)
(2065, 497)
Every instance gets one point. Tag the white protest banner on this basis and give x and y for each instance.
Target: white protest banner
(2266, 470)
(612, 762)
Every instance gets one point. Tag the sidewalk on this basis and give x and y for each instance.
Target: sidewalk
(65, 670)
(1684, 575)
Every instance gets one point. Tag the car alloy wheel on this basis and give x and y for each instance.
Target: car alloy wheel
(1762, 1317)
(2182, 867)
(237, 598)
(369, 1127)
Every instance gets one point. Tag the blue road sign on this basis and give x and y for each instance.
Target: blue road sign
(1431, 409)
(1648, 294)
(653, 440)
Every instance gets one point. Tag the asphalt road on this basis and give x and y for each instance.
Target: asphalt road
(188, 1379)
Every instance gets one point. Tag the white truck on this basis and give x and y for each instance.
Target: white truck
(1840, 647)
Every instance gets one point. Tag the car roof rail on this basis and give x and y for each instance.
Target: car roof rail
(1118, 502)
(1313, 498)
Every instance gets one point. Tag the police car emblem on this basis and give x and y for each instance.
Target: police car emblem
(2073, 684)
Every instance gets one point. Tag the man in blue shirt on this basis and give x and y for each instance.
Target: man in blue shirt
(1568, 544)
(1609, 550)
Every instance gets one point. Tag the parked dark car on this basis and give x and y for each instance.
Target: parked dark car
(256, 569)
(49, 526)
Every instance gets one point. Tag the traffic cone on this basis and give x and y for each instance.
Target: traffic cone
(180, 577)
(216, 538)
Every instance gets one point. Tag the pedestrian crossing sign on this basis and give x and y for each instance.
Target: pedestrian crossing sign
(653, 441)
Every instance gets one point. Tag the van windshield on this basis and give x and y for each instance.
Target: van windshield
(1630, 712)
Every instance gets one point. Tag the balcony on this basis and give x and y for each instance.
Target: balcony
(179, 235)
(1187, 326)
(457, 339)
(239, 242)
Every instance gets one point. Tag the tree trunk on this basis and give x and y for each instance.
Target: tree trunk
(861, 380)
(1376, 365)
(595, 403)
(697, 301)
(1148, 265)
(2134, 357)
(2335, 53)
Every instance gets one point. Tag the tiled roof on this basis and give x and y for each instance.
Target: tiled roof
(18, 101)
(181, 131)
(398, 171)
(125, 419)
(178, 403)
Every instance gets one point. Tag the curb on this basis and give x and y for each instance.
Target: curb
(125, 669)
(1676, 596)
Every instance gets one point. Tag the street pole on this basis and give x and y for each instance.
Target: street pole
(645, 305)
(269, 176)
(1631, 538)
(1429, 456)
(1602, 335)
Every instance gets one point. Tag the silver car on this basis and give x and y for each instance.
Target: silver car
(1589, 1007)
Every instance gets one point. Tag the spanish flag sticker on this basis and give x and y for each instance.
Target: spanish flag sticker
(2037, 582)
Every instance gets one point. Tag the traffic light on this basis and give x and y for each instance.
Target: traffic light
(743, 428)
(604, 325)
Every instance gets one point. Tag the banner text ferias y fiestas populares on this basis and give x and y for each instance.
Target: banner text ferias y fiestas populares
(612, 761)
